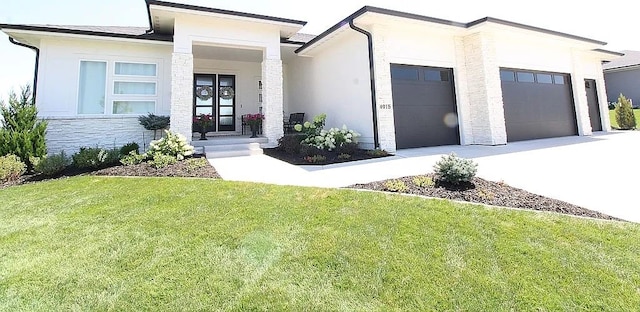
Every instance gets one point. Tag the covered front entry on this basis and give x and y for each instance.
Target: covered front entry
(537, 105)
(215, 95)
(424, 107)
(592, 102)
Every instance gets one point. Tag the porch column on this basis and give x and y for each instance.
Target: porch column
(272, 100)
(580, 95)
(181, 93)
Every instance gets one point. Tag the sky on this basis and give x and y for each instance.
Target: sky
(611, 23)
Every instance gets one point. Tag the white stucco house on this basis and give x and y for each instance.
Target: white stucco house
(401, 80)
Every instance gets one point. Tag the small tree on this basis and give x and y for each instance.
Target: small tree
(624, 114)
(22, 133)
(154, 122)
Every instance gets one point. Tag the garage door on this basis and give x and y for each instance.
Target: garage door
(537, 105)
(424, 106)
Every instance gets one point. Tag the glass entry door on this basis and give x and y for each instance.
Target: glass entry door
(226, 103)
(215, 95)
(204, 99)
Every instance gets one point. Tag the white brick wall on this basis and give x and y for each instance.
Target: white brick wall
(484, 91)
(384, 95)
(462, 93)
(182, 93)
(69, 134)
(272, 104)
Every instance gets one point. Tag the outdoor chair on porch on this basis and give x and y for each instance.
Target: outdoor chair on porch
(294, 119)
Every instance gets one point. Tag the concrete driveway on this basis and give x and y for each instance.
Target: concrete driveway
(598, 172)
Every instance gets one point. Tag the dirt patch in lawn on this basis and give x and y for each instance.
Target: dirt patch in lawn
(197, 167)
(481, 191)
(331, 158)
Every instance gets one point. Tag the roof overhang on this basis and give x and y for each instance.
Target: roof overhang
(31, 34)
(162, 15)
(369, 15)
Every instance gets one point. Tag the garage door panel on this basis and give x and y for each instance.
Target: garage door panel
(421, 105)
(535, 110)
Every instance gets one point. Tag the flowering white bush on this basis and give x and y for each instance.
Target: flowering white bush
(332, 138)
(173, 144)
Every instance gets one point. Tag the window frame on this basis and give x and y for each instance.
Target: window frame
(106, 87)
(135, 62)
(111, 78)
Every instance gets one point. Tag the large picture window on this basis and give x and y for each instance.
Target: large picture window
(117, 88)
(92, 87)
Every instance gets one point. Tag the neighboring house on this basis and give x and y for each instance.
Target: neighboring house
(622, 75)
(401, 80)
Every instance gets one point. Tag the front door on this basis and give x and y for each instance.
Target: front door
(215, 95)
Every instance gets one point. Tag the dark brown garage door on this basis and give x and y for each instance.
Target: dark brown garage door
(423, 106)
(592, 101)
(537, 105)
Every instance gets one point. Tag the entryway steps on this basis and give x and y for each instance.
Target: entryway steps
(229, 146)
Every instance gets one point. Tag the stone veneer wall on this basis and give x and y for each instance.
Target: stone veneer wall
(273, 100)
(181, 93)
(484, 91)
(384, 95)
(69, 134)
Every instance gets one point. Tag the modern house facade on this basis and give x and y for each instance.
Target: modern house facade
(401, 80)
(623, 77)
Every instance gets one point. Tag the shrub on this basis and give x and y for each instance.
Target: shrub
(395, 186)
(344, 156)
(11, 168)
(128, 148)
(51, 165)
(21, 133)
(194, 164)
(290, 144)
(333, 138)
(312, 129)
(347, 148)
(95, 157)
(173, 144)
(423, 181)
(454, 170)
(377, 153)
(310, 150)
(624, 114)
(315, 159)
(154, 122)
(133, 158)
(162, 160)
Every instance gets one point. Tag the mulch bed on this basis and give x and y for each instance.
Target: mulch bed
(190, 168)
(490, 193)
(184, 169)
(332, 158)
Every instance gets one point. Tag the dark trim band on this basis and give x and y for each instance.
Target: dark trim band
(374, 102)
(35, 71)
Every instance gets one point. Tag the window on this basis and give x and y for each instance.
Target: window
(404, 73)
(128, 88)
(525, 77)
(507, 75)
(134, 88)
(135, 69)
(436, 75)
(559, 79)
(544, 78)
(92, 87)
(133, 107)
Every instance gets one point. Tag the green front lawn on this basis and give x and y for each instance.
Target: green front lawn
(130, 244)
(614, 123)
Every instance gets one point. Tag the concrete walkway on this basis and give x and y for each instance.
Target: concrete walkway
(599, 172)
